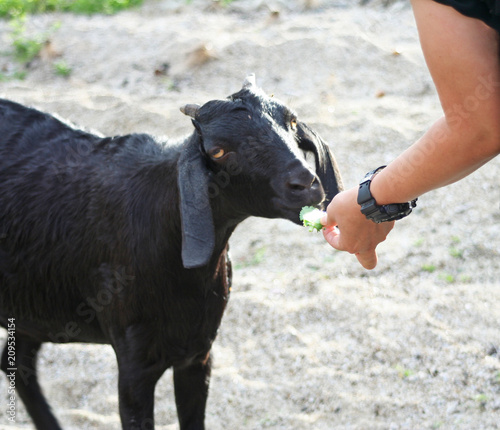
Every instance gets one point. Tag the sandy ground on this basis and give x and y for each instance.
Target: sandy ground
(310, 340)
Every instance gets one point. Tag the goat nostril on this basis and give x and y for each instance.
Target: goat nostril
(301, 184)
(296, 187)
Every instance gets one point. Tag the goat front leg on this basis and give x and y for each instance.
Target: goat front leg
(137, 380)
(191, 391)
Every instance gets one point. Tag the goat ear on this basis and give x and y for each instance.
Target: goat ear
(326, 166)
(198, 234)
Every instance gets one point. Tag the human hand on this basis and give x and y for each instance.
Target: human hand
(355, 234)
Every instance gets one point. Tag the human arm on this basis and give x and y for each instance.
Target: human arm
(463, 58)
(462, 55)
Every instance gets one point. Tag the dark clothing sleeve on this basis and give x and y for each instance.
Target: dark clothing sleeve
(487, 11)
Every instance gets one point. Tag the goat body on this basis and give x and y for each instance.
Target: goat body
(123, 240)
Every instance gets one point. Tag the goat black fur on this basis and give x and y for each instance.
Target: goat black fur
(123, 240)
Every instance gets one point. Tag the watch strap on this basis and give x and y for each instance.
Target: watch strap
(380, 213)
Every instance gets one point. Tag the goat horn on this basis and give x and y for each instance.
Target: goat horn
(190, 110)
(249, 81)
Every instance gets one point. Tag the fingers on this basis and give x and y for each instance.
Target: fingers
(367, 259)
(347, 229)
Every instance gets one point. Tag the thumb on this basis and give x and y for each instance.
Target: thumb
(324, 220)
(368, 259)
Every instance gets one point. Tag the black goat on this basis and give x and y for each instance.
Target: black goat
(123, 240)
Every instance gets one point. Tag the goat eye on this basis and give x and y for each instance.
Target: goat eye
(293, 124)
(217, 153)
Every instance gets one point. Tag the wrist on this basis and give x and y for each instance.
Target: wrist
(379, 189)
(372, 209)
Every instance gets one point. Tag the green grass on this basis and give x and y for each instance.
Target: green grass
(456, 253)
(25, 48)
(428, 268)
(403, 372)
(464, 278)
(258, 256)
(14, 8)
(418, 242)
(447, 277)
(482, 400)
(61, 68)
(16, 74)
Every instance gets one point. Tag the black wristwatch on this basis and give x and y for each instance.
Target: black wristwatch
(380, 213)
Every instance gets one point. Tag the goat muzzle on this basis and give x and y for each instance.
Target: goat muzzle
(301, 187)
